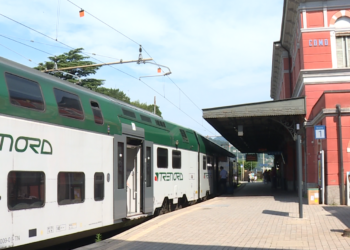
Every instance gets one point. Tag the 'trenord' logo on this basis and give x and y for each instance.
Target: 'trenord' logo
(34, 143)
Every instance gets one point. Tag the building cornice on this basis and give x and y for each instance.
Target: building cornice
(325, 113)
(320, 76)
(312, 5)
(289, 28)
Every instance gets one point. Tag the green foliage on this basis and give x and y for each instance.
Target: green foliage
(250, 165)
(74, 58)
(98, 237)
(115, 93)
(71, 59)
(147, 107)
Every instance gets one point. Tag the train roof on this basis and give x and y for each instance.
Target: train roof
(67, 83)
(115, 112)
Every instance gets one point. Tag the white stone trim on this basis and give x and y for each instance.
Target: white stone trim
(333, 43)
(320, 76)
(324, 113)
(325, 18)
(317, 5)
(342, 12)
(330, 28)
(304, 19)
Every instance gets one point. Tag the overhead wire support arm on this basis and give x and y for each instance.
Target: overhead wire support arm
(159, 65)
(100, 64)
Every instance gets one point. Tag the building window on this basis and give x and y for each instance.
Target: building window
(343, 51)
(176, 159)
(70, 188)
(24, 92)
(162, 158)
(99, 186)
(69, 104)
(97, 112)
(204, 162)
(25, 190)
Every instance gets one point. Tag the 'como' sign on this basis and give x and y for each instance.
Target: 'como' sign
(318, 42)
(35, 144)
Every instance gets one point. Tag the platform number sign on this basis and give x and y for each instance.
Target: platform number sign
(320, 132)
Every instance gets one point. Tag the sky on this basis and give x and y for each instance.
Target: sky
(219, 52)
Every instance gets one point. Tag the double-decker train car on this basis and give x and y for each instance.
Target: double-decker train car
(75, 162)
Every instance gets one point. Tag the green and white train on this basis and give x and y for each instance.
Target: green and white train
(75, 162)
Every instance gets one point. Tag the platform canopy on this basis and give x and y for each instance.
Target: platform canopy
(258, 127)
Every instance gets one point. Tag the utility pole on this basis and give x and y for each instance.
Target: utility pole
(243, 167)
(154, 110)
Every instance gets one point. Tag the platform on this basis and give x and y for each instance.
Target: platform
(254, 217)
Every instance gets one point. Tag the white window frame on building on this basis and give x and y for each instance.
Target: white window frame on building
(343, 50)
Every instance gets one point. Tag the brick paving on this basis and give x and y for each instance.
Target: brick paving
(254, 217)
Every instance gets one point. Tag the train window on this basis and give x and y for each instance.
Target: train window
(70, 188)
(69, 104)
(146, 119)
(148, 167)
(209, 164)
(184, 136)
(162, 158)
(97, 112)
(129, 113)
(120, 165)
(204, 162)
(24, 92)
(160, 123)
(25, 190)
(99, 186)
(176, 159)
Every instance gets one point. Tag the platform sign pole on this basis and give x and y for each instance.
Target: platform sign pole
(323, 178)
(320, 134)
(299, 169)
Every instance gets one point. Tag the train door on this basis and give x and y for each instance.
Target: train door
(216, 176)
(147, 177)
(211, 174)
(119, 167)
(133, 163)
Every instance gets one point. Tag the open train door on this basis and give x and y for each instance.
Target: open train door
(148, 177)
(119, 172)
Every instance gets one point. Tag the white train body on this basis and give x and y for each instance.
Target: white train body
(75, 163)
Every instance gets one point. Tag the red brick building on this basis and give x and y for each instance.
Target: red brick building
(312, 60)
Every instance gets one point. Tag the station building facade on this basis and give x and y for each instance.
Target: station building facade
(312, 60)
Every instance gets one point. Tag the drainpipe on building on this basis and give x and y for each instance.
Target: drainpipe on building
(340, 150)
(290, 70)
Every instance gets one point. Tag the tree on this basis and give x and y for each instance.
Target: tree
(71, 59)
(147, 107)
(115, 93)
(248, 165)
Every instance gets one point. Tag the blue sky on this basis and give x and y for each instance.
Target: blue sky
(219, 52)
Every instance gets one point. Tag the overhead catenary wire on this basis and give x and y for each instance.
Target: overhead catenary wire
(104, 23)
(137, 44)
(102, 62)
(17, 53)
(58, 18)
(27, 45)
(52, 45)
